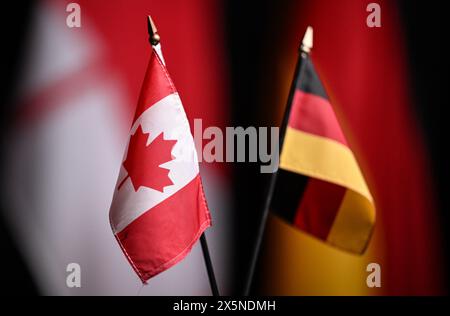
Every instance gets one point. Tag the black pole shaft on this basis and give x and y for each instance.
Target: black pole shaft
(209, 267)
(262, 224)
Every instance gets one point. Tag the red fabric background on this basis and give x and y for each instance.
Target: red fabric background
(365, 71)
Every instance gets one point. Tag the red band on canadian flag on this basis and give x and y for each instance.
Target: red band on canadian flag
(159, 210)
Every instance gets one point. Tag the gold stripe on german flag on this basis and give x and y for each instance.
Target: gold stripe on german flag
(320, 188)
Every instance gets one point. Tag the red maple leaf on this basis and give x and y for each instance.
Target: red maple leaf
(143, 162)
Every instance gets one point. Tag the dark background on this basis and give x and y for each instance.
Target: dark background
(251, 27)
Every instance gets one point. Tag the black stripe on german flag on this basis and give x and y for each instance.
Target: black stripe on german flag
(288, 194)
(295, 200)
(310, 81)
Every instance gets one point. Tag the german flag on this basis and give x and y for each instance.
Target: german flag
(319, 187)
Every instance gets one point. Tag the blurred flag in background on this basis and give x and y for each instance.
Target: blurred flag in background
(320, 188)
(366, 73)
(74, 107)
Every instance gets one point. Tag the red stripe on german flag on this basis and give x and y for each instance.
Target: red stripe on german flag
(313, 114)
(320, 188)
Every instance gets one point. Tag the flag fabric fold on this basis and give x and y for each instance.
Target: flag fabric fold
(159, 209)
(320, 188)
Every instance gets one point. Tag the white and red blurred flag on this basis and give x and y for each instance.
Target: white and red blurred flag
(159, 209)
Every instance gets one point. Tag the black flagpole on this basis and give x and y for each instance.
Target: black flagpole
(154, 40)
(209, 267)
(304, 50)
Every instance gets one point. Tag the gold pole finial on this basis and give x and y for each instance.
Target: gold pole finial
(307, 42)
(152, 32)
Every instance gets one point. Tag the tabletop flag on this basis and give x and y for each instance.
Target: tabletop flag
(319, 187)
(159, 209)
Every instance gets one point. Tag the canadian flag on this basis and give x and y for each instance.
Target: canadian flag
(159, 209)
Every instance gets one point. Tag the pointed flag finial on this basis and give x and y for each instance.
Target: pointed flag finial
(152, 32)
(307, 42)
